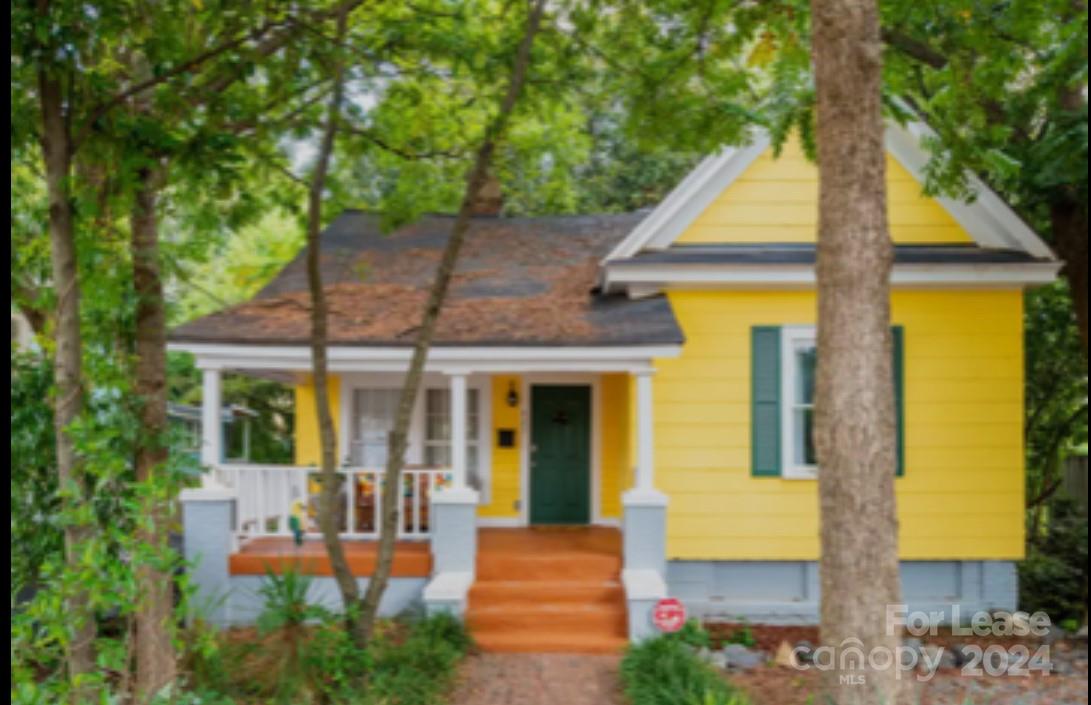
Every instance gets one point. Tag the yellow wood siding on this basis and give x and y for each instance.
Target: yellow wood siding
(615, 463)
(308, 449)
(506, 480)
(776, 200)
(962, 493)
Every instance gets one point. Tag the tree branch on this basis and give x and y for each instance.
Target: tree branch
(913, 48)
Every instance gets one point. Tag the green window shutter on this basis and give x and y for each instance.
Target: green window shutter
(765, 401)
(899, 393)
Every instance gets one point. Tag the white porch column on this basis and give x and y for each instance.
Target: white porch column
(645, 443)
(458, 430)
(454, 520)
(644, 524)
(211, 422)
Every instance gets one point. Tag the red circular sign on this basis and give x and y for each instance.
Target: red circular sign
(669, 615)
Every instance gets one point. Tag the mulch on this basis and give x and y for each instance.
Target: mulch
(777, 685)
(538, 679)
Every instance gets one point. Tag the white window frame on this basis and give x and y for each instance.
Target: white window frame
(352, 381)
(477, 441)
(791, 339)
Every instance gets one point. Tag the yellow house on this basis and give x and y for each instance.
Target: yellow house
(633, 393)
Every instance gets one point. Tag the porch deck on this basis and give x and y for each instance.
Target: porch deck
(412, 559)
(582, 540)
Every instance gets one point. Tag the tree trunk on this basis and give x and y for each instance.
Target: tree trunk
(1069, 222)
(444, 271)
(155, 658)
(329, 504)
(67, 372)
(855, 427)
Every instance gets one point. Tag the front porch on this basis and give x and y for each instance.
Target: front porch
(501, 446)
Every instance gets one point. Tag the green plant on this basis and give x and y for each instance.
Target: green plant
(667, 671)
(1053, 578)
(742, 635)
(286, 605)
(693, 633)
(417, 668)
(334, 668)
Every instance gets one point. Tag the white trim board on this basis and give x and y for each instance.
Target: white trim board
(647, 279)
(690, 198)
(988, 219)
(464, 360)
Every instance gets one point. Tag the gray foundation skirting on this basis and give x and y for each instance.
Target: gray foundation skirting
(244, 602)
(786, 592)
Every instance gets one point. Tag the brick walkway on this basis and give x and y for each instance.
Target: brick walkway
(538, 679)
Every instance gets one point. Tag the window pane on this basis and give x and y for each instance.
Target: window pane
(803, 439)
(474, 477)
(437, 422)
(805, 367)
(375, 410)
(437, 456)
(437, 429)
(472, 415)
(437, 416)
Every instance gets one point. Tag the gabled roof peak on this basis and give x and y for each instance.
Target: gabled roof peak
(987, 218)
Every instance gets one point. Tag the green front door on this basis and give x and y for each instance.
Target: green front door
(560, 455)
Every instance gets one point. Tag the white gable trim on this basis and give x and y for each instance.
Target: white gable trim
(988, 219)
(690, 198)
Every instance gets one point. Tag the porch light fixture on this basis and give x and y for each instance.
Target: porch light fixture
(513, 396)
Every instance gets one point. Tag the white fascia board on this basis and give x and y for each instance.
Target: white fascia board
(643, 278)
(450, 360)
(690, 198)
(987, 218)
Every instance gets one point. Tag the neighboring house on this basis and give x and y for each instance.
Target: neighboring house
(648, 377)
(22, 334)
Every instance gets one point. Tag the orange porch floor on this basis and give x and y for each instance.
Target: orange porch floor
(412, 559)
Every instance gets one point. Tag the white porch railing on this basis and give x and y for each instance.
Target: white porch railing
(265, 495)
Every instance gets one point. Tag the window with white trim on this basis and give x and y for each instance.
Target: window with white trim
(437, 431)
(798, 358)
(373, 414)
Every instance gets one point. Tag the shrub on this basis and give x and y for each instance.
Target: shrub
(419, 668)
(667, 671)
(1053, 578)
(301, 653)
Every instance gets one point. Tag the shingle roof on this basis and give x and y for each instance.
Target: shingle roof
(519, 281)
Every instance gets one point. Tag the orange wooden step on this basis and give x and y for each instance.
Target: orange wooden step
(560, 567)
(508, 642)
(594, 619)
(533, 592)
